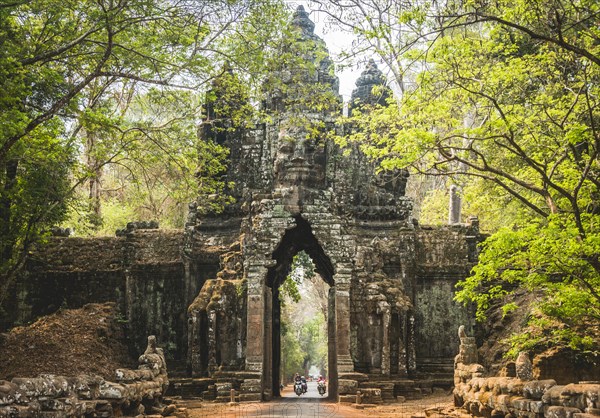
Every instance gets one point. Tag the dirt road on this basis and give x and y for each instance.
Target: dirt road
(312, 405)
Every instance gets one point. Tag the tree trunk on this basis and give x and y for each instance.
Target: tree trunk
(94, 191)
(7, 238)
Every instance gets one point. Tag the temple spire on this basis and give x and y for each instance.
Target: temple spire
(301, 20)
(369, 78)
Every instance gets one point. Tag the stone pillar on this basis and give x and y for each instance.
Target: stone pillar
(332, 345)
(255, 335)
(342, 316)
(411, 351)
(467, 350)
(268, 345)
(385, 347)
(454, 206)
(402, 355)
(212, 341)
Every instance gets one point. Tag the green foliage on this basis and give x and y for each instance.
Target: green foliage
(99, 107)
(304, 346)
(292, 356)
(302, 269)
(313, 340)
(550, 258)
(303, 335)
(33, 196)
(434, 209)
(506, 105)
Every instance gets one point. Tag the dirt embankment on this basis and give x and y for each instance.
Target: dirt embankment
(89, 340)
(554, 362)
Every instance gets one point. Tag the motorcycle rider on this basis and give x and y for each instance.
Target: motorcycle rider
(321, 385)
(298, 383)
(304, 384)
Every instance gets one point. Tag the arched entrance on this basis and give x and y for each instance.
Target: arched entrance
(299, 238)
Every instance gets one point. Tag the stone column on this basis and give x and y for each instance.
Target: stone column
(385, 348)
(402, 355)
(212, 341)
(342, 315)
(332, 344)
(268, 345)
(411, 345)
(255, 333)
(454, 206)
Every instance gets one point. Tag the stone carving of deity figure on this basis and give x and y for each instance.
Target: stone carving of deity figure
(300, 159)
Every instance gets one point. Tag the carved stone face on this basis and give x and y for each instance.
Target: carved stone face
(300, 160)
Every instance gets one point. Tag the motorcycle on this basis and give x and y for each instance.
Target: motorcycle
(298, 388)
(304, 387)
(321, 388)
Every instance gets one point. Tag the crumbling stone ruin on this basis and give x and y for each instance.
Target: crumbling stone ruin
(210, 293)
(518, 394)
(134, 392)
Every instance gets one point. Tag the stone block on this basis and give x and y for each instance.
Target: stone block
(127, 375)
(359, 377)
(371, 395)
(502, 403)
(110, 390)
(223, 388)
(515, 387)
(47, 386)
(87, 387)
(20, 411)
(537, 407)
(222, 399)
(251, 386)
(347, 399)
(535, 389)
(347, 386)
(552, 395)
(10, 393)
(527, 405)
(580, 395)
(561, 412)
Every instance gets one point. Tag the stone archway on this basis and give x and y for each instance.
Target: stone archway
(391, 307)
(299, 238)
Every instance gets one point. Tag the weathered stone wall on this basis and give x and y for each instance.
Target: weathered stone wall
(217, 321)
(134, 392)
(155, 289)
(444, 256)
(518, 394)
(381, 301)
(142, 270)
(67, 272)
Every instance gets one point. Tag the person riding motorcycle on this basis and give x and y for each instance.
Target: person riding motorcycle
(321, 385)
(298, 386)
(304, 384)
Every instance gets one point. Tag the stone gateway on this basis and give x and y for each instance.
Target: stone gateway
(210, 293)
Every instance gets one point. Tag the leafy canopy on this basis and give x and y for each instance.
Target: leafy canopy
(503, 100)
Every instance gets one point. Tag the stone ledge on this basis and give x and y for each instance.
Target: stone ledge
(52, 396)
